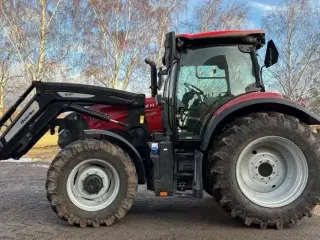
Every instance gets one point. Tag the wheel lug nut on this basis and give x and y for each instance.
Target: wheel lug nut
(261, 178)
(274, 172)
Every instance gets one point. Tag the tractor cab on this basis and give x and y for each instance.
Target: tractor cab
(206, 70)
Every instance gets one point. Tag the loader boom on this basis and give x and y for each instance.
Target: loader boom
(51, 99)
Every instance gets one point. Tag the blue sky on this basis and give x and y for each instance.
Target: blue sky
(258, 8)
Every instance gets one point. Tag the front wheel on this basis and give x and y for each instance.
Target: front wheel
(264, 170)
(91, 183)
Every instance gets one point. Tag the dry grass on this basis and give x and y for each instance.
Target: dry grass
(45, 149)
(47, 140)
(44, 154)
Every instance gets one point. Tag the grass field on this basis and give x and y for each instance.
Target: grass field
(45, 149)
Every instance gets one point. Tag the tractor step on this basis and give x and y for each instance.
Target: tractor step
(176, 172)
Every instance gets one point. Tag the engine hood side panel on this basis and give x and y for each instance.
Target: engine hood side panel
(152, 116)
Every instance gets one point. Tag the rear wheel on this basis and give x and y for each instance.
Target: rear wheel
(264, 170)
(91, 183)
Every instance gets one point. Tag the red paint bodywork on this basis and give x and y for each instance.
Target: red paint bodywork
(246, 97)
(226, 33)
(153, 112)
(152, 115)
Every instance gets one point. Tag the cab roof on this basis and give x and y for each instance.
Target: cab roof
(219, 34)
(255, 37)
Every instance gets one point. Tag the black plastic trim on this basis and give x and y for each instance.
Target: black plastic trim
(256, 68)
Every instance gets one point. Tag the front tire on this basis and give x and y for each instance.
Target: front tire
(91, 183)
(264, 170)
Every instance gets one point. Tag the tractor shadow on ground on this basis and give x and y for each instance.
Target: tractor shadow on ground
(182, 212)
(204, 211)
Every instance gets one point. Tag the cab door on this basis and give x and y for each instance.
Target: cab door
(207, 78)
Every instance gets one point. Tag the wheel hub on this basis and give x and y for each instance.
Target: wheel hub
(265, 167)
(93, 184)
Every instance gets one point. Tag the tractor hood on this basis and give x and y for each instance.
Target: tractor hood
(120, 113)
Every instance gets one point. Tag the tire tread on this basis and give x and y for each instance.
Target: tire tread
(216, 175)
(62, 158)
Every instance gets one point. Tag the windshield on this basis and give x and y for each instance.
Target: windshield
(208, 77)
(216, 70)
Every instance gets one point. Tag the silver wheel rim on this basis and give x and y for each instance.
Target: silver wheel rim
(272, 171)
(109, 185)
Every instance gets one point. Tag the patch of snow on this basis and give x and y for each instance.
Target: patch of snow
(18, 161)
(40, 165)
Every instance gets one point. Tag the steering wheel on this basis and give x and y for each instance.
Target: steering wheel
(193, 88)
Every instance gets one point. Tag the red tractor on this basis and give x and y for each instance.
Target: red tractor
(214, 128)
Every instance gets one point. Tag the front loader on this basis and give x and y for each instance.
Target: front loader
(213, 129)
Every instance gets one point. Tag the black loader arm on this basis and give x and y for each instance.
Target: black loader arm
(51, 99)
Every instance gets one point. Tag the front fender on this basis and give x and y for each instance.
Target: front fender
(220, 118)
(124, 144)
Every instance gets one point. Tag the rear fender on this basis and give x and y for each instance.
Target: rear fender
(124, 144)
(221, 118)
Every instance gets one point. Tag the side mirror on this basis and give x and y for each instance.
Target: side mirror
(272, 54)
(170, 49)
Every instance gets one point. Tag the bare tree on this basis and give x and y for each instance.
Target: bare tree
(40, 39)
(122, 34)
(217, 15)
(294, 26)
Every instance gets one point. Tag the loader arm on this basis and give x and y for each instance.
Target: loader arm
(48, 100)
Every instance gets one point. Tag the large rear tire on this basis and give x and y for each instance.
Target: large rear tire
(264, 169)
(91, 183)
